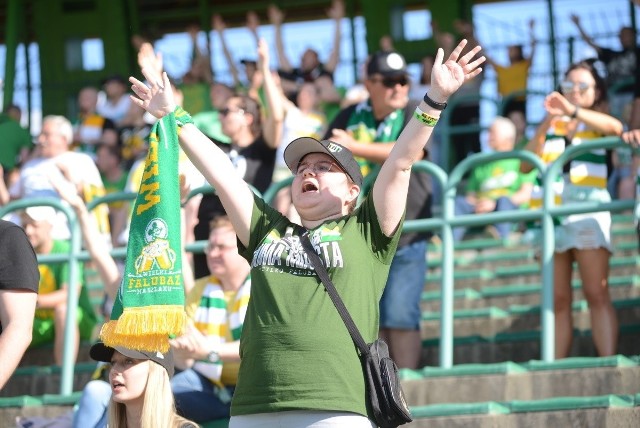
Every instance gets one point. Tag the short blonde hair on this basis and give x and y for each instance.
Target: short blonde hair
(62, 124)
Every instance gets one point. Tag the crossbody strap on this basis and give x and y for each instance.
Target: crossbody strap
(333, 293)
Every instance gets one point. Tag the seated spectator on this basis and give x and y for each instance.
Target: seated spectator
(116, 102)
(51, 309)
(109, 163)
(53, 152)
(141, 394)
(497, 185)
(90, 127)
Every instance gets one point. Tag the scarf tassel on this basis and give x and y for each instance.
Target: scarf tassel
(145, 328)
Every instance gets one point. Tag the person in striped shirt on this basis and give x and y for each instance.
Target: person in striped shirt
(576, 114)
(209, 352)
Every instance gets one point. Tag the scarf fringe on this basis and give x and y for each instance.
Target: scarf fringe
(145, 328)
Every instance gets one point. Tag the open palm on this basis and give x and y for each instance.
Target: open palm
(447, 77)
(156, 97)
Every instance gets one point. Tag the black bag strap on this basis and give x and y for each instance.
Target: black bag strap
(333, 293)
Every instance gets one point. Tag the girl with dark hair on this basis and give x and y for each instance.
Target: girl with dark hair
(574, 115)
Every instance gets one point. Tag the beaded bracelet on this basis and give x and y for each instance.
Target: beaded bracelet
(425, 118)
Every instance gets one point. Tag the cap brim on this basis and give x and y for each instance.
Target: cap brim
(300, 147)
(102, 352)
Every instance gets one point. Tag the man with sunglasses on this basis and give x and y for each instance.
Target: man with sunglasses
(369, 129)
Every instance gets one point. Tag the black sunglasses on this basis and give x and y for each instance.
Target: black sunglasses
(391, 82)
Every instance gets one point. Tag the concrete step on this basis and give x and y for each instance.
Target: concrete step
(535, 380)
(585, 412)
(521, 346)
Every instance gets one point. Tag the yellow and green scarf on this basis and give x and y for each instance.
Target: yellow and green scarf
(150, 302)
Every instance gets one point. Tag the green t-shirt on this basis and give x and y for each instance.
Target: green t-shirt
(13, 138)
(497, 179)
(296, 353)
(54, 275)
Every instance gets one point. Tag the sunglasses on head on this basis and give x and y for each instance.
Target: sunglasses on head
(391, 82)
(568, 86)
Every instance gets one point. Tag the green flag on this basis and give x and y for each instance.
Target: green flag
(150, 302)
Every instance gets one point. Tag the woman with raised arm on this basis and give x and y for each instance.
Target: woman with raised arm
(299, 365)
(574, 115)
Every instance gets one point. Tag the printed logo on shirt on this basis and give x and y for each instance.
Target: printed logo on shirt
(287, 254)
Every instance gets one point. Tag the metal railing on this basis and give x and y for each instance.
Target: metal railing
(443, 224)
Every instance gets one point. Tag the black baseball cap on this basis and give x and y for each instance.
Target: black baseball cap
(387, 63)
(101, 352)
(300, 147)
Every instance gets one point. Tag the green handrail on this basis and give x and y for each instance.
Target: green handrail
(445, 224)
(68, 351)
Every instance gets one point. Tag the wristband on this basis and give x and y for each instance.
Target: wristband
(425, 118)
(182, 117)
(434, 104)
(575, 113)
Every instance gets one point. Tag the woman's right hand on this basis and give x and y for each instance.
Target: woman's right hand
(557, 105)
(157, 98)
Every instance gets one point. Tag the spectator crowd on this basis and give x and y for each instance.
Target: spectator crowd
(102, 150)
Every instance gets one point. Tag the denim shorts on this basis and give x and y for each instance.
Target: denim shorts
(400, 303)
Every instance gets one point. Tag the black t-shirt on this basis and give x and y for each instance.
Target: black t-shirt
(255, 163)
(620, 65)
(419, 195)
(18, 263)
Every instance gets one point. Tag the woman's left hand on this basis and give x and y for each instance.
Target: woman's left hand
(447, 77)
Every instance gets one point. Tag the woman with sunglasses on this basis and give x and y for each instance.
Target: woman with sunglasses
(576, 114)
(299, 366)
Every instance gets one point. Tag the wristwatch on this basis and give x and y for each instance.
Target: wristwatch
(213, 357)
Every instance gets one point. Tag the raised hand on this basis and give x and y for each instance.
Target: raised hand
(157, 98)
(218, 23)
(263, 53)
(447, 77)
(253, 21)
(336, 11)
(557, 105)
(150, 60)
(275, 15)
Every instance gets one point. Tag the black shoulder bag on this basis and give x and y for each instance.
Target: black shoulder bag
(383, 385)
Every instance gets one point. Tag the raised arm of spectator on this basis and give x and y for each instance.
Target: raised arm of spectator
(150, 60)
(93, 241)
(536, 143)
(588, 40)
(218, 24)
(200, 62)
(336, 12)
(253, 23)
(392, 184)
(276, 17)
(532, 40)
(272, 129)
(211, 161)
